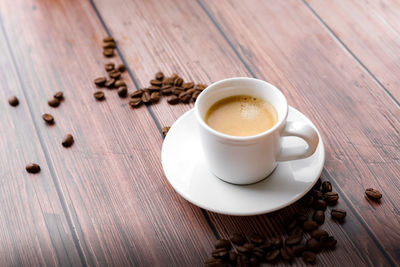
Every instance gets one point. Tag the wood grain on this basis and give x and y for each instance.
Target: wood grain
(358, 120)
(124, 211)
(34, 230)
(152, 37)
(371, 30)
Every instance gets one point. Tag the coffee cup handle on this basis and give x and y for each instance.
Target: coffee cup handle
(304, 131)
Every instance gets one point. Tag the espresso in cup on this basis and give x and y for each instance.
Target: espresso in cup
(241, 115)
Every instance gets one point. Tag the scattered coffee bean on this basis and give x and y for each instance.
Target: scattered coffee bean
(318, 233)
(222, 243)
(135, 102)
(165, 130)
(317, 185)
(301, 217)
(308, 256)
(213, 262)
(109, 83)
(313, 245)
(259, 253)
(59, 95)
(109, 45)
(115, 74)
(256, 239)
(276, 242)
(299, 249)
(287, 254)
(173, 100)
(309, 226)
(201, 86)
(146, 98)
(122, 91)
(32, 168)
(331, 197)
(119, 83)
(99, 95)
(109, 66)
(121, 67)
(328, 242)
(54, 102)
(13, 101)
(316, 194)
(237, 239)
(108, 39)
(319, 216)
(155, 97)
(168, 81)
(266, 246)
(195, 95)
(68, 140)
(137, 93)
(246, 248)
(307, 200)
(220, 253)
(272, 255)
(166, 91)
(291, 223)
(242, 260)
(373, 194)
(326, 187)
(177, 91)
(159, 76)
(48, 118)
(296, 231)
(319, 204)
(338, 214)
(185, 98)
(108, 52)
(293, 239)
(156, 83)
(178, 81)
(188, 85)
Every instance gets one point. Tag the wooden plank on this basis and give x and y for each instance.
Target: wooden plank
(371, 30)
(358, 120)
(124, 211)
(34, 230)
(152, 36)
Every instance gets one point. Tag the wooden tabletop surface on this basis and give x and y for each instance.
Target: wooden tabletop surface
(106, 202)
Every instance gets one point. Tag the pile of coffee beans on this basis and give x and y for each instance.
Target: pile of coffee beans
(251, 251)
(114, 81)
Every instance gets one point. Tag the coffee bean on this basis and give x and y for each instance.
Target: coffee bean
(222, 243)
(237, 239)
(174, 76)
(110, 83)
(316, 194)
(32, 168)
(373, 194)
(307, 200)
(146, 98)
(59, 96)
(195, 95)
(291, 223)
(276, 242)
(173, 100)
(212, 262)
(319, 204)
(153, 88)
(242, 261)
(254, 262)
(185, 98)
(232, 256)
(293, 239)
(266, 246)
(328, 242)
(168, 81)
(256, 239)
(109, 45)
(100, 81)
(313, 245)
(49, 119)
(68, 140)
(156, 83)
(108, 52)
(287, 254)
(317, 185)
(201, 86)
(121, 67)
(165, 130)
(338, 214)
(309, 226)
(190, 91)
(246, 248)
(296, 231)
(220, 253)
(13, 101)
(122, 91)
(298, 249)
(177, 91)
(119, 83)
(166, 91)
(301, 217)
(326, 187)
(319, 216)
(99, 95)
(188, 85)
(114, 74)
(259, 253)
(54, 102)
(272, 255)
(137, 93)
(318, 233)
(308, 256)
(159, 76)
(109, 66)
(108, 39)
(135, 102)
(331, 197)
(178, 81)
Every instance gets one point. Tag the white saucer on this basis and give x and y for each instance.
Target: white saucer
(186, 170)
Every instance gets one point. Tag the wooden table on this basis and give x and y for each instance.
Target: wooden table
(105, 201)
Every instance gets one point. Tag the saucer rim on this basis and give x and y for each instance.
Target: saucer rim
(243, 213)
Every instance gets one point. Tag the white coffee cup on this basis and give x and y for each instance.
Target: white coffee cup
(249, 159)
